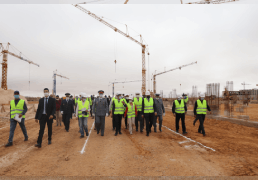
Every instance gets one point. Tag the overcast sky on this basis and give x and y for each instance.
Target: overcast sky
(223, 39)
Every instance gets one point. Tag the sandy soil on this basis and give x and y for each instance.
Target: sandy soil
(161, 154)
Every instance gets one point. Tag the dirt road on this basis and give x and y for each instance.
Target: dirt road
(161, 154)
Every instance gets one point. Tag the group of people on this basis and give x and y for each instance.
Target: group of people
(137, 110)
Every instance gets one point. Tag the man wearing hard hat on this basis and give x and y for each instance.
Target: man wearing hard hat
(82, 112)
(148, 108)
(200, 108)
(179, 110)
(131, 113)
(138, 118)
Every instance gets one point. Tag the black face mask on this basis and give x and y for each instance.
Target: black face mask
(148, 96)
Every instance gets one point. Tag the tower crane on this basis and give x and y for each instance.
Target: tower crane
(144, 46)
(244, 84)
(5, 51)
(54, 82)
(154, 76)
(113, 89)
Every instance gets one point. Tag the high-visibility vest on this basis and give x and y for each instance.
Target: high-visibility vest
(18, 109)
(112, 102)
(138, 103)
(201, 107)
(180, 108)
(148, 105)
(90, 101)
(75, 100)
(130, 112)
(186, 100)
(119, 107)
(80, 107)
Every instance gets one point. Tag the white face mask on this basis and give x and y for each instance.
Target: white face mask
(126, 97)
(179, 98)
(83, 100)
(120, 97)
(101, 95)
(137, 96)
(46, 94)
(130, 100)
(202, 98)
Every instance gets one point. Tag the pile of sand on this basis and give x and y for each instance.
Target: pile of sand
(7, 95)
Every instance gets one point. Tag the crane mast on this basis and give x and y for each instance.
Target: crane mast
(126, 35)
(113, 87)
(154, 76)
(54, 81)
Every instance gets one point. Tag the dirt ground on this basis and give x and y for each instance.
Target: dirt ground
(161, 154)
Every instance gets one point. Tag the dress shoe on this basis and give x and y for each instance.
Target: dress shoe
(141, 131)
(9, 144)
(81, 136)
(120, 133)
(185, 132)
(49, 142)
(155, 131)
(160, 130)
(38, 145)
(115, 134)
(26, 139)
(113, 129)
(204, 134)
(87, 134)
(150, 131)
(136, 130)
(102, 134)
(97, 132)
(177, 131)
(67, 130)
(147, 134)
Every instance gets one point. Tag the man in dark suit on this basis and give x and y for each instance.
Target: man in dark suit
(67, 111)
(45, 114)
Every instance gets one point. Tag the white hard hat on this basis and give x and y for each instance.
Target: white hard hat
(84, 95)
(81, 93)
(118, 93)
(202, 95)
(148, 93)
(130, 97)
(137, 92)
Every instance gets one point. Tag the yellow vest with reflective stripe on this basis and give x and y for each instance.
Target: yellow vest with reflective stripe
(180, 107)
(119, 107)
(201, 108)
(18, 109)
(138, 103)
(80, 107)
(130, 112)
(148, 105)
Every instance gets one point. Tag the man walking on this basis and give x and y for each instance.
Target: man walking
(67, 111)
(45, 114)
(148, 106)
(179, 110)
(18, 108)
(159, 111)
(58, 114)
(138, 119)
(200, 109)
(100, 109)
(118, 106)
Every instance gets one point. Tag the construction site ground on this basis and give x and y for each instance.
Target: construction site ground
(161, 154)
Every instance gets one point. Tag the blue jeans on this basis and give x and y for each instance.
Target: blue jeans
(83, 123)
(13, 124)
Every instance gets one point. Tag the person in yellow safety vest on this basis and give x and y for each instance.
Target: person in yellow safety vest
(138, 119)
(185, 97)
(18, 108)
(82, 112)
(118, 111)
(148, 108)
(126, 100)
(110, 110)
(200, 109)
(90, 100)
(179, 110)
(131, 113)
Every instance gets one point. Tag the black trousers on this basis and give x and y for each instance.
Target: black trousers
(90, 110)
(182, 117)
(100, 124)
(117, 121)
(66, 120)
(201, 118)
(113, 122)
(139, 119)
(148, 119)
(42, 122)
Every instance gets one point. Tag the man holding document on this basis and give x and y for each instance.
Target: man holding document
(18, 108)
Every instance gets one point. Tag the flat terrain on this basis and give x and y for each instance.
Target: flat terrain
(161, 154)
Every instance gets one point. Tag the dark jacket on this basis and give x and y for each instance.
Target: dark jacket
(58, 104)
(67, 108)
(174, 106)
(50, 110)
(195, 107)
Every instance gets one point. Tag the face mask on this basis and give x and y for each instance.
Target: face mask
(130, 100)
(137, 96)
(148, 96)
(16, 96)
(202, 98)
(120, 97)
(83, 100)
(126, 98)
(179, 98)
(46, 94)
(101, 95)
(67, 97)
(57, 98)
